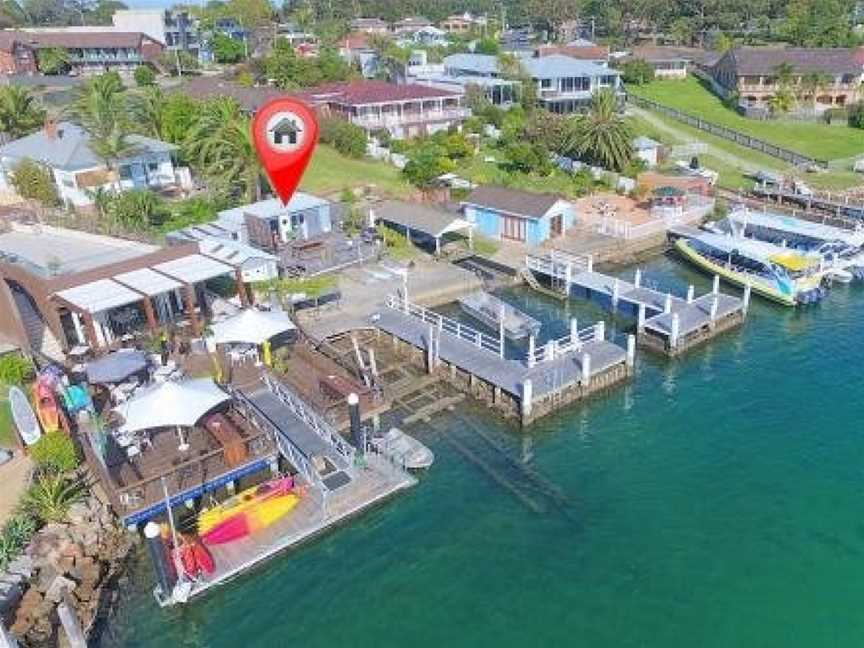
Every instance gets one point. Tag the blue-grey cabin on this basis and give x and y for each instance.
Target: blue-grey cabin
(508, 214)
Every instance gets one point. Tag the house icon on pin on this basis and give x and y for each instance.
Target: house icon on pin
(286, 132)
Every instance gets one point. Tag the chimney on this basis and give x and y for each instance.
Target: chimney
(51, 129)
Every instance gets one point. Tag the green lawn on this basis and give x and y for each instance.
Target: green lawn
(7, 434)
(331, 172)
(810, 138)
(734, 176)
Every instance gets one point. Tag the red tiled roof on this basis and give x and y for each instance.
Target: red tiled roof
(355, 40)
(358, 93)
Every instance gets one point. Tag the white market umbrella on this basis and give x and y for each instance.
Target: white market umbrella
(251, 326)
(170, 404)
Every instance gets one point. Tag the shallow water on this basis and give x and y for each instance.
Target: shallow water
(715, 501)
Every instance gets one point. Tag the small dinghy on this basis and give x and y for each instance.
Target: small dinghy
(403, 449)
(490, 310)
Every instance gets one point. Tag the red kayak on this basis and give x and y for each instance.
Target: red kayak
(203, 558)
(229, 530)
(187, 558)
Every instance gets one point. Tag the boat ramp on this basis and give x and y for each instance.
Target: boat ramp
(664, 322)
(527, 385)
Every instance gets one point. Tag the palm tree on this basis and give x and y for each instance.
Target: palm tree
(221, 143)
(603, 136)
(812, 84)
(148, 111)
(20, 113)
(100, 109)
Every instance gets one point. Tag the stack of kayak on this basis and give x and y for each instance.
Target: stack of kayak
(194, 559)
(248, 512)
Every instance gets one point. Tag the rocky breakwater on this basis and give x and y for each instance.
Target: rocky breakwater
(77, 559)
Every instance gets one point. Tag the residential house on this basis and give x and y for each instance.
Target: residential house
(752, 74)
(479, 70)
(425, 37)
(295, 35)
(672, 62)
(405, 110)
(269, 224)
(17, 56)
(176, 28)
(61, 288)
(411, 24)
(78, 171)
(508, 214)
(566, 85)
(596, 54)
(517, 39)
(355, 48)
(206, 87)
(90, 49)
(370, 25)
(462, 23)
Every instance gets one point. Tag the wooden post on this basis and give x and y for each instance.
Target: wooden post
(667, 306)
(430, 352)
(716, 287)
(747, 290)
(631, 350)
(691, 292)
(373, 366)
(549, 351)
(673, 334)
(590, 263)
(527, 397)
(574, 331)
(501, 331)
(586, 369)
(600, 331)
(713, 311)
(531, 350)
(241, 288)
(637, 280)
(640, 319)
(90, 327)
(152, 324)
(189, 294)
(615, 289)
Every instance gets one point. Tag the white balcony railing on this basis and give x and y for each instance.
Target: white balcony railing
(397, 119)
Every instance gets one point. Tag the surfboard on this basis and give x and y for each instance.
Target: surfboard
(24, 417)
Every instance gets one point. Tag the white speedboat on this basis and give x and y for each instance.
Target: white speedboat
(494, 312)
(403, 449)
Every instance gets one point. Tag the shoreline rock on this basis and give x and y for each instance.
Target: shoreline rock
(80, 558)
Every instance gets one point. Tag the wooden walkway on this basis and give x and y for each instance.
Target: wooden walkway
(505, 373)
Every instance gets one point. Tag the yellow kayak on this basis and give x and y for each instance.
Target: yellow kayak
(243, 501)
(268, 511)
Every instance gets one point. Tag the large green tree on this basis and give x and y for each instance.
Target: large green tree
(100, 108)
(220, 144)
(20, 112)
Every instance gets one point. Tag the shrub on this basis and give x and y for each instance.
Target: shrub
(637, 72)
(347, 138)
(15, 535)
(144, 76)
(34, 182)
(15, 369)
(856, 115)
(51, 496)
(55, 452)
(399, 146)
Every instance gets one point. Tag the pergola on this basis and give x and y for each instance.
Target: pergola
(429, 221)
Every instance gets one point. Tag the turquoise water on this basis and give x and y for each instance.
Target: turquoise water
(715, 501)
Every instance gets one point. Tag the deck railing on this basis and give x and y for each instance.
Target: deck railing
(491, 343)
(318, 425)
(570, 343)
(559, 265)
(287, 447)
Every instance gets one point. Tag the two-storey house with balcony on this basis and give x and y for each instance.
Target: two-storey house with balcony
(566, 85)
(821, 77)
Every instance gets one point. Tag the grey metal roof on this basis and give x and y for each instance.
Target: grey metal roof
(420, 218)
(70, 149)
(558, 65)
(480, 64)
(512, 201)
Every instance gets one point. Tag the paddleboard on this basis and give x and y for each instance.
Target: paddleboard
(24, 417)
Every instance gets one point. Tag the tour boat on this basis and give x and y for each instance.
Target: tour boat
(490, 310)
(403, 449)
(248, 498)
(785, 276)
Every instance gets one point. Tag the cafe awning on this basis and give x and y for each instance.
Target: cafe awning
(98, 296)
(194, 268)
(251, 326)
(170, 404)
(148, 282)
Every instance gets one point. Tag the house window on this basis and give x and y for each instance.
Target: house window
(125, 172)
(512, 228)
(152, 167)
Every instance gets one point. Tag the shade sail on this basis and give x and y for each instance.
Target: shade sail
(194, 268)
(170, 404)
(99, 295)
(116, 367)
(251, 326)
(147, 282)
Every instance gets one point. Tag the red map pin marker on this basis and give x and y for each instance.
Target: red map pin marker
(285, 133)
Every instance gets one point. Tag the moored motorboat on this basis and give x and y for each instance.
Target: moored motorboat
(403, 449)
(492, 312)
